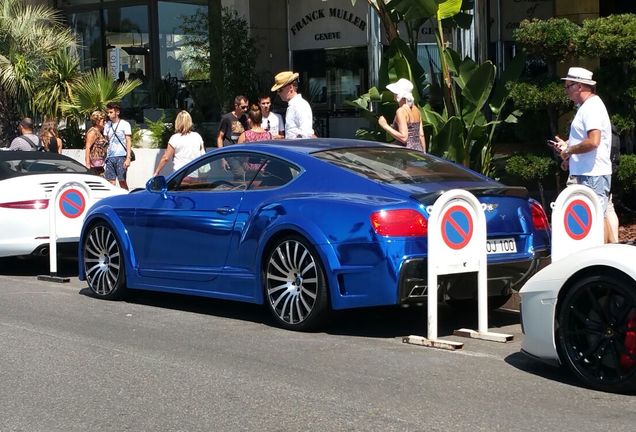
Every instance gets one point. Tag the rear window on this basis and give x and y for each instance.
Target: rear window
(396, 165)
(19, 167)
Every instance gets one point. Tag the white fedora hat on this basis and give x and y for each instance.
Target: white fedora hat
(581, 75)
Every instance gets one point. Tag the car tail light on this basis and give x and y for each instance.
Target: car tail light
(627, 359)
(38, 204)
(539, 218)
(399, 223)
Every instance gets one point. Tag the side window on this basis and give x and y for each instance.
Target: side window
(233, 171)
(275, 173)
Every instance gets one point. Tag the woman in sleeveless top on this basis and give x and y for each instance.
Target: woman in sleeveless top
(184, 146)
(407, 127)
(96, 144)
(49, 139)
(255, 132)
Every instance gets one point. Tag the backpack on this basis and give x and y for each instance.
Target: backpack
(36, 147)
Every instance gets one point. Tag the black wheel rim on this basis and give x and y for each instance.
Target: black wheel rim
(292, 282)
(598, 331)
(102, 260)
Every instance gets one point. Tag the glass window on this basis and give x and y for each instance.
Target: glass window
(182, 34)
(87, 29)
(396, 166)
(128, 49)
(329, 77)
(234, 171)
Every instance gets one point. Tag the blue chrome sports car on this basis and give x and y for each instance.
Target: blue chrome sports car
(303, 226)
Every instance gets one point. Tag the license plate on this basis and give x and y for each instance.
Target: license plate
(499, 246)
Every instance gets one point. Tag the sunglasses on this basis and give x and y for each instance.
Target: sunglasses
(570, 85)
(243, 107)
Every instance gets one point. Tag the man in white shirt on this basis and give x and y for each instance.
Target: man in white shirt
(272, 122)
(119, 135)
(299, 117)
(587, 150)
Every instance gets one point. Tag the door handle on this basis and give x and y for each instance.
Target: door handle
(225, 210)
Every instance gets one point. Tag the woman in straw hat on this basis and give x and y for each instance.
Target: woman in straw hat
(407, 126)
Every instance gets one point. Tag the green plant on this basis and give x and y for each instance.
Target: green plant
(30, 36)
(159, 131)
(531, 168)
(93, 91)
(627, 174)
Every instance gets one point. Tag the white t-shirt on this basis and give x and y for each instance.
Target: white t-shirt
(591, 115)
(273, 123)
(186, 148)
(299, 118)
(117, 147)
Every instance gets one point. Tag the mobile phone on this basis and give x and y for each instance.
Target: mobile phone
(551, 143)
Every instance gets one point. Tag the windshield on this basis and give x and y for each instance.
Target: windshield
(26, 166)
(396, 165)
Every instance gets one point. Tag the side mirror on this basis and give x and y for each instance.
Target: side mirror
(158, 185)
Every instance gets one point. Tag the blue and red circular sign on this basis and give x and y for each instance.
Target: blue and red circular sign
(577, 219)
(72, 203)
(457, 227)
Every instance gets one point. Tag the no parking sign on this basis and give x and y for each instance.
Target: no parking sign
(577, 221)
(72, 203)
(457, 244)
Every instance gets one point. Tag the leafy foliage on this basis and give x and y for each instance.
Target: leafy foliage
(627, 174)
(531, 168)
(554, 39)
(238, 55)
(160, 131)
(609, 37)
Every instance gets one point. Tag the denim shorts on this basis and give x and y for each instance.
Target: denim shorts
(114, 168)
(599, 184)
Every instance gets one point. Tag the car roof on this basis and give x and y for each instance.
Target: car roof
(310, 145)
(37, 155)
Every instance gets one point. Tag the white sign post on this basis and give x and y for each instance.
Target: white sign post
(577, 221)
(68, 201)
(457, 244)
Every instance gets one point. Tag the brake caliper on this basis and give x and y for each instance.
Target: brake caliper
(627, 360)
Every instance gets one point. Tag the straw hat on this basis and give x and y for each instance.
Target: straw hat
(283, 78)
(581, 75)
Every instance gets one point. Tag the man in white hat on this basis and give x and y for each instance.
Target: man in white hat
(587, 150)
(299, 118)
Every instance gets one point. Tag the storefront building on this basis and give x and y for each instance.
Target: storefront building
(334, 45)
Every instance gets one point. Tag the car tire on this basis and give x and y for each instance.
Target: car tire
(597, 332)
(296, 291)
(103, 262)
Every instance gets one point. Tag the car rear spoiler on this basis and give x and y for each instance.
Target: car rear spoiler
(510, 191)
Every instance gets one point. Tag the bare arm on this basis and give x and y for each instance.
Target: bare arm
(401, 133)
(422, 137)
(219, 139)
(241, 139)
(59, 145)
(91, 136)
(589, 144)
(128, 150)
(167, 156)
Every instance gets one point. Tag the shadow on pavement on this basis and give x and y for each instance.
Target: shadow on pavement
(526, 364)
(34, 266)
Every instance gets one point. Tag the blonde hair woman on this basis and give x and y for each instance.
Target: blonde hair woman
(184, 146)
(96, 143)
(407, 127)
(49, 138)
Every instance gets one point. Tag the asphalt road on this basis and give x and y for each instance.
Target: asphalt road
(70, 362)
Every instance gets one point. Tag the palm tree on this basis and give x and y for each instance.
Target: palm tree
(30, 35)
(56, 83)
(93, 92)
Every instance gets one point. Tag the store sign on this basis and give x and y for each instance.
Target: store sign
(316, 24)
(114, 62)
(515, 11)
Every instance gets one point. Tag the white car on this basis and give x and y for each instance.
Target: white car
(27, 179)
(581, 312)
